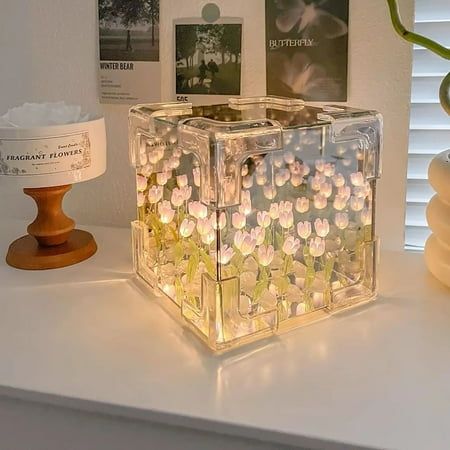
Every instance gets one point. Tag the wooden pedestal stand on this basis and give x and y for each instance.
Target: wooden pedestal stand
(52, 241)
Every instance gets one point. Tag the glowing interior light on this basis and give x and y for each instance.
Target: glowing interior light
(204, 226)
(140, 199)
(322, 227)
(166, 213)
(357, 179)
(291, 245)
(169, 289)
(225, 254)
(147, 170)
(317, 180)
(345, 192)
(244, 242)
(238, 220)
(143, 159)
(326, 189)
(285, 206)
(182, 180)
(141, 183)
(317, 247)
(261, 180)
(247, 181)
(329, 170)
(286, 219)
(302, 205)
(263, 219)
(270, 191)
(341, 220)
(177, 197)
(278, 161)
(219, 224)
(340, 202)
(196, 175)
(244, 170)
(339, 180)
(155, 155)
(265, 255)
(356, 203)
(198, 210)
(187, 228)
(304, 229)
(274, 211)
(258, 234)
(208, 238)
(320, 201)
(161, 178)
(366, 216)
(261, 168)
(155, 194)
(296, 180)
(320, 165)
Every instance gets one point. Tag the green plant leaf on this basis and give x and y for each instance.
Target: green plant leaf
(260, 287)
(192, 267)
(209, 263)
(178, 252)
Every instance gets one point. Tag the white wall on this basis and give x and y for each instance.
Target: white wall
(48, 51)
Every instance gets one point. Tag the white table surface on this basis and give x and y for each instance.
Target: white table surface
(89, 337)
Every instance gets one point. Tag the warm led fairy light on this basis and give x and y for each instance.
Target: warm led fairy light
(322, 227)
(320, 164)
(169, 289)
(244, 242)
(238, 220)
(161, 178)
(198, 210)
(204, 226)
(345, 192)
(166, 213)
(247, 181)
(261, 179)
(329, 169)
(317, 180)
(177, 197)
(263, 219)
(258, 234)
(246, 203)
(141, 183)
(182, 180)
(291, 245)
(326, 189)
(286, 219)
(244, 170)
(356, 203)
(187, 228)
(296, 180)
(317, 247)
(147, 170)
(274, 211)
(265, 255)
(285, 206)
(357, 179)
(340, 202)
(366, 216)
(208, 238)
(339, 180)
(140, 199)
(269, 191)
(320, 201)
(278, 161)
(155, 194)
(156, 155)
(302, 205)
(341, 220)
(225, 254)
(304, 229)
(196, 175)
(219, 224)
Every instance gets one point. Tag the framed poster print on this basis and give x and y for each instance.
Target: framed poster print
(307, 49)
(207, 60)
(129, 67)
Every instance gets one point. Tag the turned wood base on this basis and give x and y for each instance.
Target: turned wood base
(52, 241)
(26, 253)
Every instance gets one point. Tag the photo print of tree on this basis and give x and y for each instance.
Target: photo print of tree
(208, 59)
(129, 30)
(307, 49)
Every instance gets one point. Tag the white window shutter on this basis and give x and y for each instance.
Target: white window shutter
(430, 125)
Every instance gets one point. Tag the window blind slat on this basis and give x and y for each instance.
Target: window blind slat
(415, 237)
(419, 191)
(425, 89)
(426, 62)
(438, 31)
(429, 115)
(418, 166)
(415, 214)
(432, 10)
(422, 141)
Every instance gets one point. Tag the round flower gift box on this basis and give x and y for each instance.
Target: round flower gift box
(42, 154)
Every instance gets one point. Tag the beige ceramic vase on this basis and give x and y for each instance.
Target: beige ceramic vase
(437, 248)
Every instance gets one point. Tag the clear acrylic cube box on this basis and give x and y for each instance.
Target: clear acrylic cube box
(257, 216)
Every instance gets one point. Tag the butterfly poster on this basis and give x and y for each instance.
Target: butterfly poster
(307, 49)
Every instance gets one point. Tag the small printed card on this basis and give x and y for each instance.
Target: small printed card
(207, 60)
(307, 49)
(129, 68)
